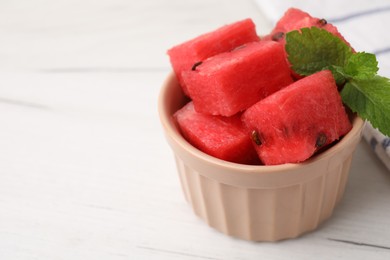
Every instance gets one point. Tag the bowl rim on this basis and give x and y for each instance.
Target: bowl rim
(173, 133)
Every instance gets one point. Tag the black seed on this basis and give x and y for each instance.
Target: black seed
(196, 64)
(321, 140)
(277, 36)
(255, 137)
(323, 22)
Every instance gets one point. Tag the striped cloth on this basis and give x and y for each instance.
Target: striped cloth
(365, 25)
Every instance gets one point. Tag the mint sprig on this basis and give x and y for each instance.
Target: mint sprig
(370, 98)
(361, 65)
(313, 49)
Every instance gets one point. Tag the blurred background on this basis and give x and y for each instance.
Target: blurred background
(112, 36)
(122, 35)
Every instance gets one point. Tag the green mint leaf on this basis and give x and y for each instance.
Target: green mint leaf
(361, 65)
(338, 74)
(313, 49)
(370, 98)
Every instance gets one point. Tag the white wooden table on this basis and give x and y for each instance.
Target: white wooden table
(85, 172)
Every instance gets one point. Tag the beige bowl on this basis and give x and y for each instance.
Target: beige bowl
(260, 203)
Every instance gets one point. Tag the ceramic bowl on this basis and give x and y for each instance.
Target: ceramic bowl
(259, 203)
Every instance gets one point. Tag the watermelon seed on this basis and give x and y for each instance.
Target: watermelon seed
(277, 36)
(196, 64)
(255, 137)
(323, 22)
(321, 140)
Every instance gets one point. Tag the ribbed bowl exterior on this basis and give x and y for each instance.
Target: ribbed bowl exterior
(258, 203)
(264, 214)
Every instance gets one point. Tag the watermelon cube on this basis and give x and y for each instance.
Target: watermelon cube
(221, 137)
(295, 122)
(230, 82)
(185, 55)
(295, 19)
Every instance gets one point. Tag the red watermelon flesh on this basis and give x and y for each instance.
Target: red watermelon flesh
(185, 55)
(295, 19)
(221, 137)
(293, 123)
(230, 82)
